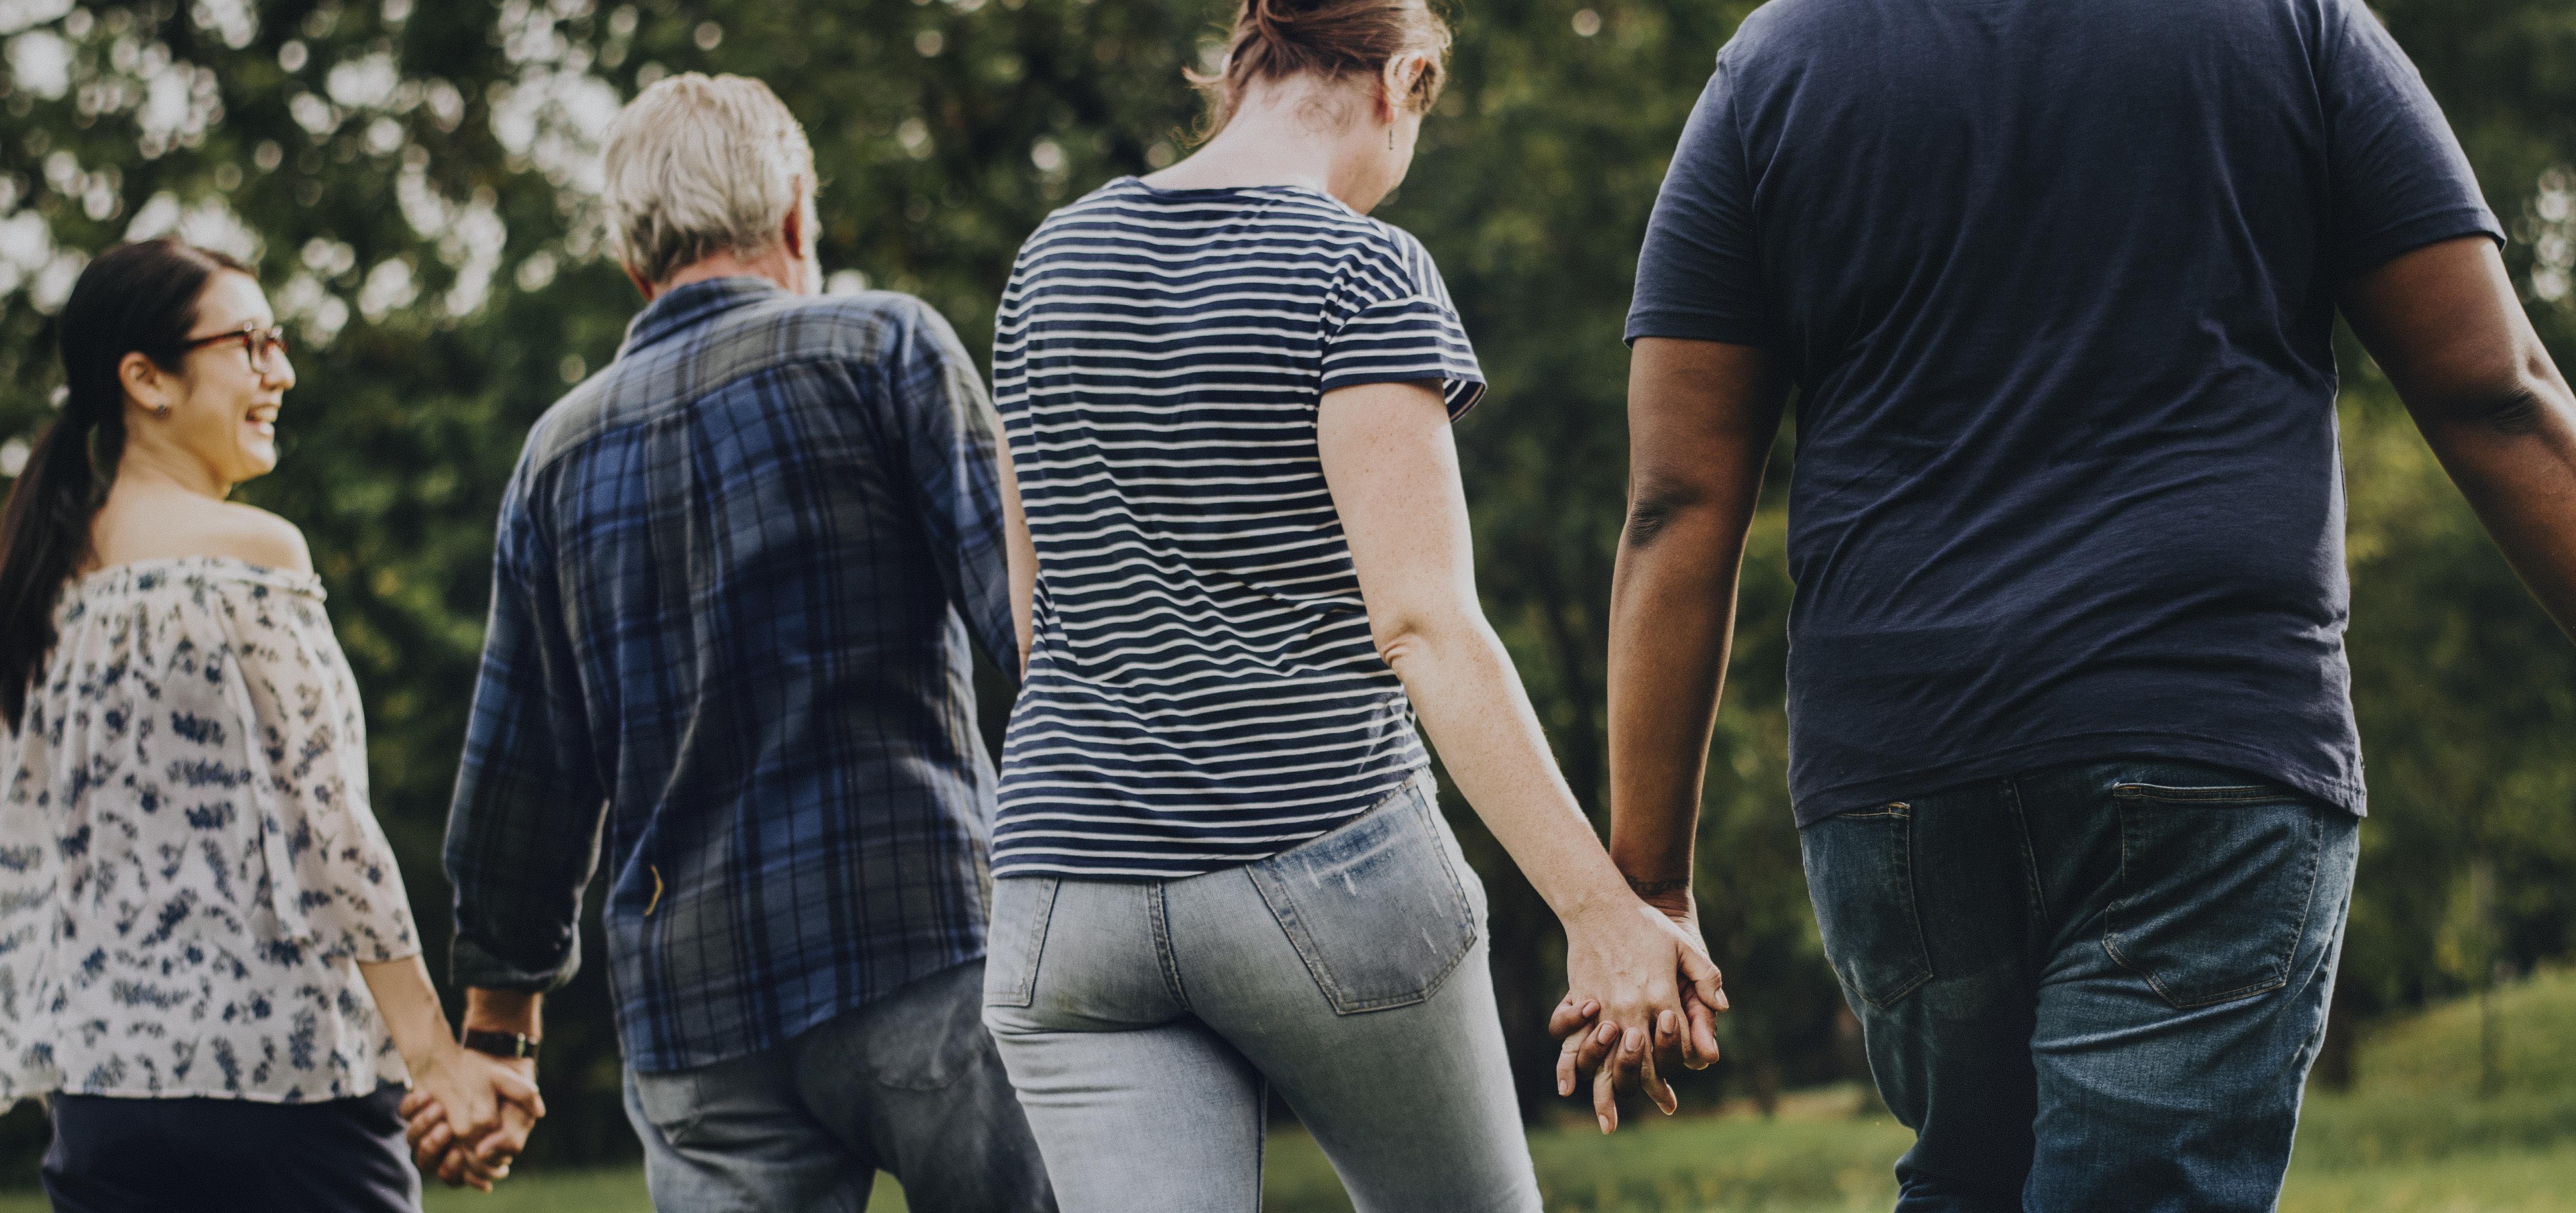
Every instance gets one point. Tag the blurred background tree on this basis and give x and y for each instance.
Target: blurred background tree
(415, 182)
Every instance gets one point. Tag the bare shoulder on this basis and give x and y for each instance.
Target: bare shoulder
(149, 524)
(254, 536)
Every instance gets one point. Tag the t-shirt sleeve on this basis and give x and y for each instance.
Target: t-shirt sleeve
(2398, 178)
(1699, 276)
(1411, 334)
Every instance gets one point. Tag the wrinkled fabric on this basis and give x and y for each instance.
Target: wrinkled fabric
(189, 869)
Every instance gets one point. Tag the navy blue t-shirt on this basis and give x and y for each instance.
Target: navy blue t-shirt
(2056, 283)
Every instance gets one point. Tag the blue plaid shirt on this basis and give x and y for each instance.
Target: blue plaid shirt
(733, 585)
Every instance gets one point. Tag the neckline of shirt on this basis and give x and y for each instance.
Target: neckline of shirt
(234, 567)
(1305, 191)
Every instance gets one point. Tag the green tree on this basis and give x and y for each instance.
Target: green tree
(415, 183)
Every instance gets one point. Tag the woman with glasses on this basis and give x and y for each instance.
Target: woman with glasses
(208, 965)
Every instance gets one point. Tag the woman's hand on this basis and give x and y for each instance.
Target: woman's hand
(478, 1104)
(1638, 972)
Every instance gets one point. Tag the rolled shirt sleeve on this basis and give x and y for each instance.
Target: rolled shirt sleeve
(523, 833)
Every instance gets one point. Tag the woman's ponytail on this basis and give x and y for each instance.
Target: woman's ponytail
(135, 298)
(1276, 39)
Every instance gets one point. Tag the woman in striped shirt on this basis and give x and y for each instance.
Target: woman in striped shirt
(1240, 563)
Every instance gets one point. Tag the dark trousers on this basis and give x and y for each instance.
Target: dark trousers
(113, 1154)
(2089, 987)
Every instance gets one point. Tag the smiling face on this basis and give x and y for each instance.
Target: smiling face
(224, 402)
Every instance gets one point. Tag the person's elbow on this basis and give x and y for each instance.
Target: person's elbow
(1660, 504)
(1416, 636)
(2512, 401)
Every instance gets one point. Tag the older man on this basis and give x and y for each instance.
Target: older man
(735, 578)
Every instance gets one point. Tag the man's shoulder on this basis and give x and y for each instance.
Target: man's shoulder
(864, 325)
(864, 328)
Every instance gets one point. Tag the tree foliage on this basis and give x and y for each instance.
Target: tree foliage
(415, 182)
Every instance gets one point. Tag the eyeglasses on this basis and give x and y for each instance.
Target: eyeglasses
(258, 344)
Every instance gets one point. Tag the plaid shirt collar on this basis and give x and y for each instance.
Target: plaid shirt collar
(683, 308)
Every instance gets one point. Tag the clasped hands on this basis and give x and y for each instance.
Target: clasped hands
(469, 1114)
(1625, 1026)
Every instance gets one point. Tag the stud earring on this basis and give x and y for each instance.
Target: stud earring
(162, 412)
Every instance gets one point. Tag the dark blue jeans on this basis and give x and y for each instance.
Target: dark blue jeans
(119, 1154)
(2089, 987)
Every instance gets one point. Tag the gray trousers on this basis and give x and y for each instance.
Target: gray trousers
(1141, 1020)
(908, 1084)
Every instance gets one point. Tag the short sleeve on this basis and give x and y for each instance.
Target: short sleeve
(1699, 276)
(2397, 176)
(330, 873)
(1410, 334)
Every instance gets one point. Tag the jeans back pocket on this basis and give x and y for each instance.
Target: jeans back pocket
(1375, 908)
(1017, 937)
(2217, 885)
(1860, 875)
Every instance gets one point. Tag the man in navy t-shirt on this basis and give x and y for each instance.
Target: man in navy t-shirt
(2071, 737)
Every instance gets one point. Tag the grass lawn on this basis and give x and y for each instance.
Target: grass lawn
(2412, 1136)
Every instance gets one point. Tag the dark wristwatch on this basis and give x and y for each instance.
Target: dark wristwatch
(512, 1045)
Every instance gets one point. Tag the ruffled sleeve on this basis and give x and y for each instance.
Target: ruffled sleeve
(321, 864)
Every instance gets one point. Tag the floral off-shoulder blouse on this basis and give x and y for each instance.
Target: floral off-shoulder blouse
(189, 872)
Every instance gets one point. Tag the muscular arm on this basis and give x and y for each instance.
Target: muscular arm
(1701, 419)
(2444, 323)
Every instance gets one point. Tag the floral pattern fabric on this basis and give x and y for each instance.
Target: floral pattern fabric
(189, 870)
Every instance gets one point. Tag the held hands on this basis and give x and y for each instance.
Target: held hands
(1623, 1047)
(470, 1114)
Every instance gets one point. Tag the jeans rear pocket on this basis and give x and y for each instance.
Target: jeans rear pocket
(1860, 875)
(2215, 887)
(1016, 938)
(1374, 908)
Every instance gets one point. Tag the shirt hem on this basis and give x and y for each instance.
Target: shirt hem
(2344, 794)
(646, 1061)
(266, 1097)
(1690, 327)
(2424, 231)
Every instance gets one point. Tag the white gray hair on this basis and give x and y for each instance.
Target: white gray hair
(698, 165)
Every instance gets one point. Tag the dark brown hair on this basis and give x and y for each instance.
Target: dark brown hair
(1276, 39)
(135, 298)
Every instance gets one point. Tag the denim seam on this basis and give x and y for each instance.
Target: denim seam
(1284, 910)
(1159, 915)
(2246, 794)
(1903, 814)
(1025, 991)
(2029, 858)
(2316, 846)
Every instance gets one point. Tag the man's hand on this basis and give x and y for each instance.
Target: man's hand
(1596, 1050)
(476, 1164)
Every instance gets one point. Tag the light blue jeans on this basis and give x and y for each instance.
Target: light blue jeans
(1142, 1020)
(907, 1083)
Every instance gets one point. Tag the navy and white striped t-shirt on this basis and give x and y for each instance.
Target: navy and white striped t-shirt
(1203, 691)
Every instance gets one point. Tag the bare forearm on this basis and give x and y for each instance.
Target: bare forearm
(2446, 325)
(1473, 707)
(2518, 470)
(409, 1005)
(1672, 619)
(1701, 419)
